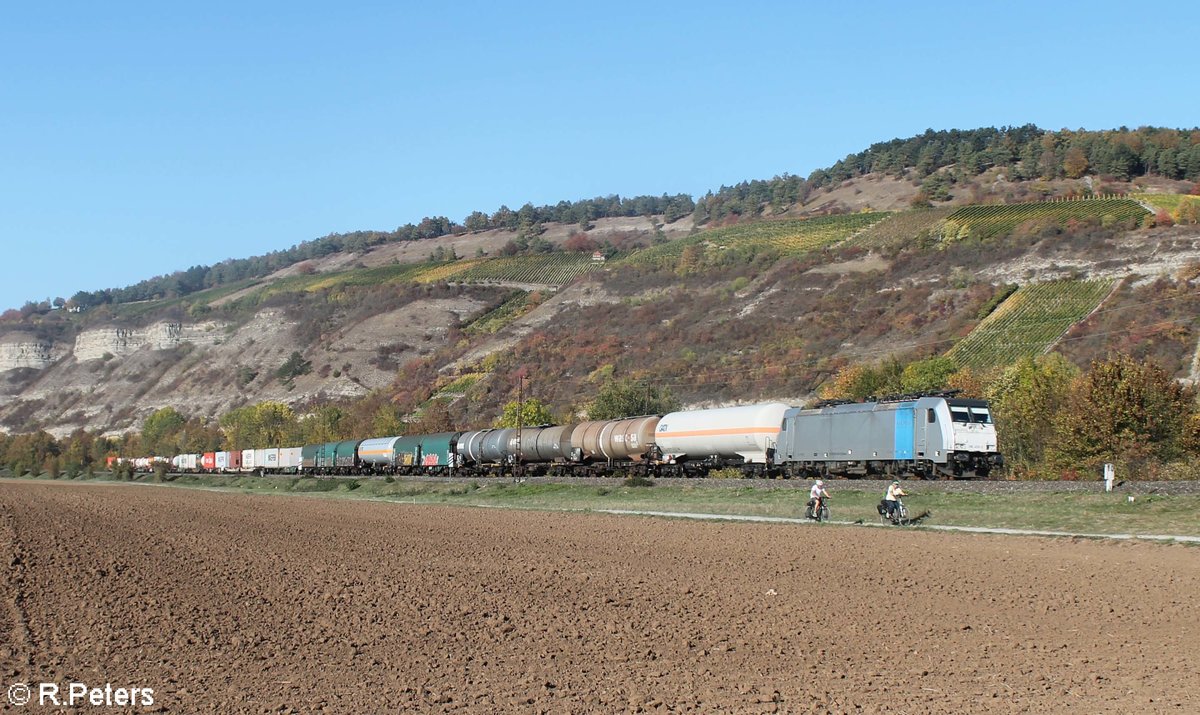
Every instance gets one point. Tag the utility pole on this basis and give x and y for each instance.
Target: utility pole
(520, 424)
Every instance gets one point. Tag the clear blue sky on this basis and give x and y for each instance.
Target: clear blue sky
(137, 139)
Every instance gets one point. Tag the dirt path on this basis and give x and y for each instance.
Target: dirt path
(229, 603)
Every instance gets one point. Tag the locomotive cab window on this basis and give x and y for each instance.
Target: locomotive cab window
(932, 416)
(981, 416)
(960, 414)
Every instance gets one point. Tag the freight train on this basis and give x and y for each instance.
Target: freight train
(918, 436)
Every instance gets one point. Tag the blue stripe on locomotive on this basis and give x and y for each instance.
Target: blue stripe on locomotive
(904, 431)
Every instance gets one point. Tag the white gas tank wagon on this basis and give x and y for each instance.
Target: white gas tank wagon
(749, 432)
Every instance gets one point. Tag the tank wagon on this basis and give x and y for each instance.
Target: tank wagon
(427, 453)
(330, 458)
(923, 437)
(595, 447)
(698, 440)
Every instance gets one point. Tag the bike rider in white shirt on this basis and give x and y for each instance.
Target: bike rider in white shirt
(817, 495)
(892, 500)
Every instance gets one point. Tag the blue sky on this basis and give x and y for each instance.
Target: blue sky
(137, 139)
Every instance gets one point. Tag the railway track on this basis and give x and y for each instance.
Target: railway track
(972, 486)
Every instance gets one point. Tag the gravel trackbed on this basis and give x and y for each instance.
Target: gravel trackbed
(229, 603)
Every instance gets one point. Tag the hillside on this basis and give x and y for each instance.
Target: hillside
(768, 303)
(745, 312)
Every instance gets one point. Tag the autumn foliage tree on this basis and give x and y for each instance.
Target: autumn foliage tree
(324, 423)
(1075, 163)
(968, 382)
(526, 413)
(1025, 401)
(1191, 436)
(852, 382)
(160, 431)
(1188, 213)
(859, 382)
(581, 243)
(29, 452)
(928, 375)
(259, 426)
(626, 398)
(1124, 411)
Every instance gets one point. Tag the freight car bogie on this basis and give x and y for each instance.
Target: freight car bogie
(869, 469)
(968, 465)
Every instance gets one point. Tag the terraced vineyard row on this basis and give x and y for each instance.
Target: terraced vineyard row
(494, 320)
(558, 268)
(392, 273)
(901, 227)
(1029, 322)
(446, 271)
(789, 237)
(986, 221)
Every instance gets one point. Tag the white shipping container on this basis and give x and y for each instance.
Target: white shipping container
(248, 464)
(289, 458)
(267, 459)
(222, 461)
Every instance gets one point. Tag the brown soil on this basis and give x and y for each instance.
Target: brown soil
(229, 603)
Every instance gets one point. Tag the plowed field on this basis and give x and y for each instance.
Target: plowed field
(229, 603)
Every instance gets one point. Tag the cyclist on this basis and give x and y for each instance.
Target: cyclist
(891, 500)
(817, 495)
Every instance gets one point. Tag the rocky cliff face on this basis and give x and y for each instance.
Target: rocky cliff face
(18, 350)
(117, 341)
(114, 376)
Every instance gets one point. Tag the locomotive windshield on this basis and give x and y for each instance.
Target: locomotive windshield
(970, 415)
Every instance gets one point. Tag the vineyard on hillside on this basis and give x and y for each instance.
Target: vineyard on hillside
(789, 237)
(1029, 322)
(901, 227)
(446, 271)
(505, 313)
(556, 269)
(1182, 208)
(379, 275)
(987, 221)
(391, 273)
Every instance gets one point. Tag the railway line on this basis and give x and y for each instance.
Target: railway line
(923, 436)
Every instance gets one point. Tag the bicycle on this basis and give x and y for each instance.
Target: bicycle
(898, 517)
(817, 509)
